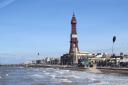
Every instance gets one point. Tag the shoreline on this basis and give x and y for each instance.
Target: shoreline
(64, 67)
(119, 70)
(94, 70)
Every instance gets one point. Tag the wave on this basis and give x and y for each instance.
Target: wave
(91, 79)
(46, 73)
(21, 67)
(99, 82)
(65, 80)
(60, 72)
(6, 74)
(53, 76)
(102, 82)
(37, 76)
(65, 76)
(0, 77)
(66, 70)
(96, 81)
(74, 76)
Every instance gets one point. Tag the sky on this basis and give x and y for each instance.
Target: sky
(31, 26)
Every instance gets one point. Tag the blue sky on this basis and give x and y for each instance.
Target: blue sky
(31, 26)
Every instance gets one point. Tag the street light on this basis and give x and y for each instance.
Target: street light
(114, 39)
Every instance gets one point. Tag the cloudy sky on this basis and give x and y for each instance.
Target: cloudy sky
(31, 26)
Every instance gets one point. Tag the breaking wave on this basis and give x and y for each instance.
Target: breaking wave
(37, 76)
(0, 77)
(65, 80)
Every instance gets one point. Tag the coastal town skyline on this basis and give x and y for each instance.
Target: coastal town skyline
(29, 28)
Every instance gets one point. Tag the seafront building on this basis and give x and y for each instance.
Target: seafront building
(44, 61)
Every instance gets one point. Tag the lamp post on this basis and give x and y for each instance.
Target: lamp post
(114, 39)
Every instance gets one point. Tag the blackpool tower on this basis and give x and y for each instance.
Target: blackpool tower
(73, 37)
(72, 57)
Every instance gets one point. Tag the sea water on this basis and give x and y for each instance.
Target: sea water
(50, 76)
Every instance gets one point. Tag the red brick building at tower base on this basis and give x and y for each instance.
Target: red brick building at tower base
(74, 54)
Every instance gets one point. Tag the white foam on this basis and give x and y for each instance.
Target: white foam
(66, 70)
(97, 81)
(0, 77)
(46, 73)
(65, 80)
(74, 76)
(53, 76)
(100, 82)
(92, 79)
(6, 74)
(60, 72)
(49, 68)
(21, 67)
(37, 76)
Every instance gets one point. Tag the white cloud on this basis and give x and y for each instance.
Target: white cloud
(4, 3)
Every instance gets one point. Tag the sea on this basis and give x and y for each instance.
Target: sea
(50, 76)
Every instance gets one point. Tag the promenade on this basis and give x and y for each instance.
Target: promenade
(121, 70)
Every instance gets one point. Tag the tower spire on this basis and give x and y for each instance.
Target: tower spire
(73, 36)
(73, 14)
